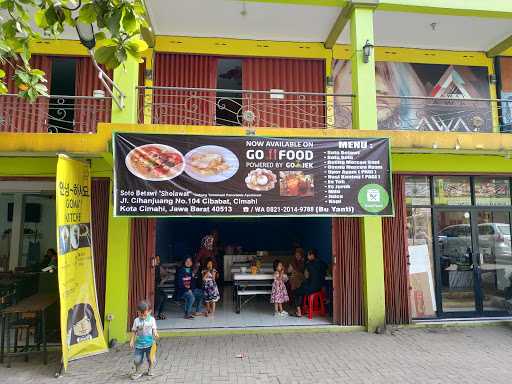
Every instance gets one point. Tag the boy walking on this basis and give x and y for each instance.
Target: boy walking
(143, 336)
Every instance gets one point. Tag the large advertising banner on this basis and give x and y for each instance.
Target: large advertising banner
(421, 97)
(192, 175)
(81, 329)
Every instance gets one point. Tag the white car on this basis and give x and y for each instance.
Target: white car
(493, 239)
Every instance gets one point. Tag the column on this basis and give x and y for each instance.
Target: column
(118, 250)
(364, 111)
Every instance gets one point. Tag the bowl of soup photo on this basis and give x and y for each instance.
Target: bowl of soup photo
(155, 162)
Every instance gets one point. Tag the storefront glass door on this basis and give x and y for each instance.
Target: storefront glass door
(495, 259)
(474, 261)
(456, 288)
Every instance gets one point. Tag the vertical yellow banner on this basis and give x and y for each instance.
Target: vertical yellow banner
(81, 329)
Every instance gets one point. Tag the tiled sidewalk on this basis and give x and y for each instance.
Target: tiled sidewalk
(454, 355)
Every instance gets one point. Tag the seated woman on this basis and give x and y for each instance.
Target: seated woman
(187, 289)
(315, 270)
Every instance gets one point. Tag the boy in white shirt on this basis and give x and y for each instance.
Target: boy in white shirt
(143, 336)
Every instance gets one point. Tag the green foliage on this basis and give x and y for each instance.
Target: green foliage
(119, 24)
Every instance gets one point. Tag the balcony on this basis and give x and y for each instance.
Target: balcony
(54, 114)
(274, 108)
(278, 109)
(444, 114)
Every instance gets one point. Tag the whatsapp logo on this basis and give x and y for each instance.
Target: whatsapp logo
(373, 198)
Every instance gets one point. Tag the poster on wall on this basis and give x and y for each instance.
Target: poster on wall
(191, 175)
(421, 97)
(423, 299)
(81, 328)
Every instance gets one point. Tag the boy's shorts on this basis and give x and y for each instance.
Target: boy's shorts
(139, 353)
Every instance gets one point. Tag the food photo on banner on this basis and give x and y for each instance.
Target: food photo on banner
(81, 329)
(421, 97)
(194, 175)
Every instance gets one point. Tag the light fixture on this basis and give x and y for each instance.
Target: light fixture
(367, 51)
(492, 78)
(88, 40)
(85, 34)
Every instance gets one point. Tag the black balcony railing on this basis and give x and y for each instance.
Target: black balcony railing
(55, 114)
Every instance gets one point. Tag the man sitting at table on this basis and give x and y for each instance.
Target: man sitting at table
(315, 270)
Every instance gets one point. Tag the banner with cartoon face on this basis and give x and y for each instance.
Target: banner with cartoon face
(81, 331)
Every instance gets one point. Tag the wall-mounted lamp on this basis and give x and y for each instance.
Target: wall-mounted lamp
(367, 51)
(329, 81)
(492, 78)
(88, 40)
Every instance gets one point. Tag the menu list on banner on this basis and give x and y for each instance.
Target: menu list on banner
(191, 175)
(81, 329)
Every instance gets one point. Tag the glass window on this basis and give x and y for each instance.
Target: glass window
(452, 190)
(492, 191)
(417, 190)
(485, 229)
(421, 263)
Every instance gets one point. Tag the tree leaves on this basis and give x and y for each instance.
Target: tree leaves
(118, 24)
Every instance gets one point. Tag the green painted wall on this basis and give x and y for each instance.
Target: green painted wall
(119, 230)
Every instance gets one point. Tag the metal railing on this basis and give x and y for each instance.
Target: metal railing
(274, 108)
(54, 114)
(418, 113)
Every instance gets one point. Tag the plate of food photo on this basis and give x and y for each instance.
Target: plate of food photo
(261, 180)
(155, 162)
(211, 163)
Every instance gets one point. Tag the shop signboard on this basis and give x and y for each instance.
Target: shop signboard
(162, 175)
(81, 329)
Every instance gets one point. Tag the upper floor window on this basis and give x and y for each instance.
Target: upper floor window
(237, 91)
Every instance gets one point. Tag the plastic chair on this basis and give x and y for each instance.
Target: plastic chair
(314, 304)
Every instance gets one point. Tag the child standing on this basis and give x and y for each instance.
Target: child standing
(143, 336)
(279, 294)
(211, 290)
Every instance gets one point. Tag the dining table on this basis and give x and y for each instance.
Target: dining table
(35, 304)
(250, 285)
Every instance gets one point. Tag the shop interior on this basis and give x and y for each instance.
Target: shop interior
(28, 262)
(246, 248)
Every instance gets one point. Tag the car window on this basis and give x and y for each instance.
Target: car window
(504, 229)
(463, 231)
(485, 229)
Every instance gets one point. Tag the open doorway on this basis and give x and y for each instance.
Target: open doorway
(28, 260)
(244, 249)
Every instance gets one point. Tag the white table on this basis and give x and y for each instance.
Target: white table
(229, 260)
(250, 285)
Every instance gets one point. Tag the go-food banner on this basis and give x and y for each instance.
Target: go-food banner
(190, 175)
(81, 330)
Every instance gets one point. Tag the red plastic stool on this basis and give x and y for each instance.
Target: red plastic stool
(314, 304)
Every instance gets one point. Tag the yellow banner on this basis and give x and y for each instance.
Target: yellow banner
(81, 329)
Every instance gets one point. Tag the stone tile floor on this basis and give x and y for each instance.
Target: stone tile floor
(438, 355)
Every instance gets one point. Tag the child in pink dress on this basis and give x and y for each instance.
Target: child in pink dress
(279, 294)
